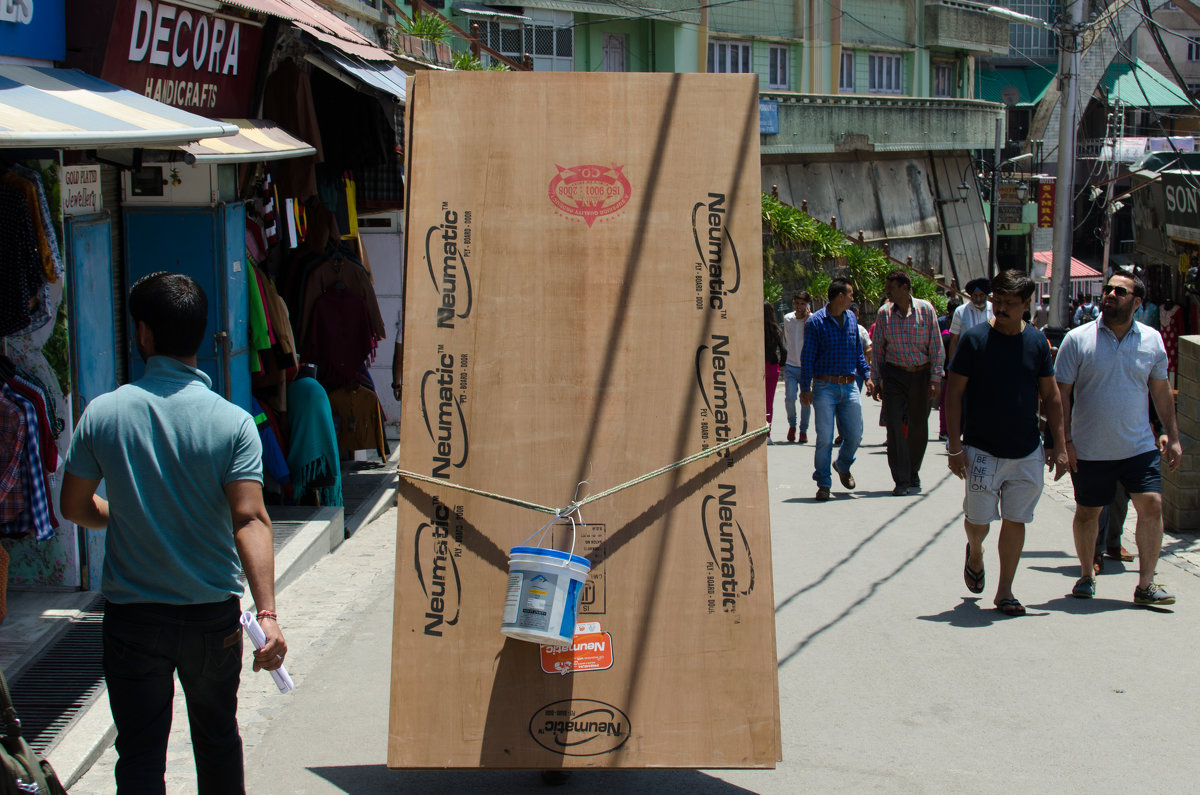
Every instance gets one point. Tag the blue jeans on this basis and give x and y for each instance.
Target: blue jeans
(843, 403)
(791, 385)
(144, 646)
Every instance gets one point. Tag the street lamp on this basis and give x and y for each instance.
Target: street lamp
(1022, 194)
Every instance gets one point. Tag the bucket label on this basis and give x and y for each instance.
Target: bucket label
(587, 652)
(534, 599)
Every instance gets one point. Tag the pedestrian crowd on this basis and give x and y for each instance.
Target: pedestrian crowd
(1099, 409)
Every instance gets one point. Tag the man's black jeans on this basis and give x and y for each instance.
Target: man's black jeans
(144, 645)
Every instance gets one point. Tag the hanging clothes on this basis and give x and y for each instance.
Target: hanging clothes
(21, 267)
(312, 454)
(288, 101)
(358, 419)
(38, 516)
(1171, 321)
(274, 460)
(13, 497)
(344, 271)
(340, 339)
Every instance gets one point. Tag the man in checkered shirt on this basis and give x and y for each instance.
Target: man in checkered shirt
(908, 368)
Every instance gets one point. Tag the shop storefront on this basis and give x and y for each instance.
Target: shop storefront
(56, 128)
(268, 220)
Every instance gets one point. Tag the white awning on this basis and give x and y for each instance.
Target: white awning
(256, 140)
(68, 109)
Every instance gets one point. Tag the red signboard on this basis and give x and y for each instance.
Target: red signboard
(1045, 204)
(200, 62)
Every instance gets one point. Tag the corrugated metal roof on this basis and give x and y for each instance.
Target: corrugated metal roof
(319, 21)
(68, 109)
(1079, 270)
(1020, 87)
(389, 79)
(1138, 85)
(256, 140)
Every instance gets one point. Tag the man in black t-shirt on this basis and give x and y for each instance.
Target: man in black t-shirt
(999, 371)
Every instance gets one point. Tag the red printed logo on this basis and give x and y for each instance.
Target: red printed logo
(589, 192)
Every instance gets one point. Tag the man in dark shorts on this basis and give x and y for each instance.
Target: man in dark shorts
(1113, 368)
(1000, 369)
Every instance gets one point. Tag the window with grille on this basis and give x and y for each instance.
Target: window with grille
(777, 76)
(551, 45)
(886, 75)
(943, 80)
(1193, 52)
(846, 79)
(729, 57)
(1030, 42)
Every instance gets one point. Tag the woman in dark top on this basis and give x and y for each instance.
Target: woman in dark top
(776, 355)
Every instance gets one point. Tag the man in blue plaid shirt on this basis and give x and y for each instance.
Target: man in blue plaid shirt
(831, 360)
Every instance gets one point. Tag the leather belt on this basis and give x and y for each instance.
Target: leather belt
(836, 379)
(915, 369)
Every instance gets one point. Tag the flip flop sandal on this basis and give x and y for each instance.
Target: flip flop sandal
(973, 579)
(1010, 607)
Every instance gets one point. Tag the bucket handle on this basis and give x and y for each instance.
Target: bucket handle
(564, 515)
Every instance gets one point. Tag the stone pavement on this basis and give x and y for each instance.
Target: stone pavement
(893, 677)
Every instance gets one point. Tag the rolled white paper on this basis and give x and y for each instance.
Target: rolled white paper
(259, 639)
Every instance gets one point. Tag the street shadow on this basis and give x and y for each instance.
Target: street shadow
(371, 779)
(874, 587)
(973, 613)
(1069, 604)
(1069, 570)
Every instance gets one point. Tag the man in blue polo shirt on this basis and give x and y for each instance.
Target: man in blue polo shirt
(831, 360)
(1112, 368)
(183, 473)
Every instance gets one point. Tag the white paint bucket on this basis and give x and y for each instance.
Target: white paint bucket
(543, 595)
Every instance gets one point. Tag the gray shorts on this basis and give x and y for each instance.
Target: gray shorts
(1006, 488)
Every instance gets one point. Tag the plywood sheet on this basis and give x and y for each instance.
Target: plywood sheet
(583, 303)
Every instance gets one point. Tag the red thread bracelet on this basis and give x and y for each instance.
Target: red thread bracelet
(271, 614)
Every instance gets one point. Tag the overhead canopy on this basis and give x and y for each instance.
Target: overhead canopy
(387, 78)
(476, 10)
(1019, 86)
(257, 139)
(68, 109)
(1138, 85)
(1079, 269)
(321, 23)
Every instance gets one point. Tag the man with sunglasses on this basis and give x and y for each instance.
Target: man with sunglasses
(1113, 368)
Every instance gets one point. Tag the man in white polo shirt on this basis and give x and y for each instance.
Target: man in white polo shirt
(1112, 368)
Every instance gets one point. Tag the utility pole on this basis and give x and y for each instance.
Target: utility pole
(1064, 186)
(993, 242)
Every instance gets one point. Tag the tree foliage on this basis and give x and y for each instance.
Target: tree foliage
(788, 230)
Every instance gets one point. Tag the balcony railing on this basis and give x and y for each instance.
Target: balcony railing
(821, 123)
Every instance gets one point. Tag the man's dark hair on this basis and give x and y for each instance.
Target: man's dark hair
(838, 287)
(174, 308)
(803, 296)
(1139, 286)
(900, 277)
(1013, 282)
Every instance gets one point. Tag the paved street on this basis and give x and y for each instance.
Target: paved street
(893, 677)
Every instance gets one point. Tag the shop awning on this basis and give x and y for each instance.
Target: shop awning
(1079, 270)
(476, 10)
(1020, 87)
(256, 139)
(387, 78)
(68, 109)
(1138, 85)
(320, 23)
